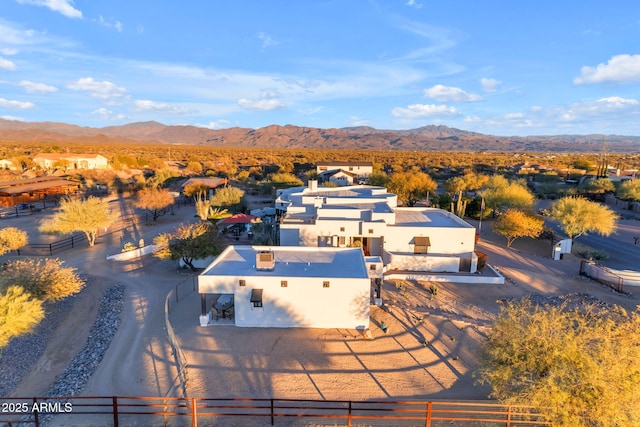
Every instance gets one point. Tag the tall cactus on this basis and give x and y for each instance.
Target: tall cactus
(460, 207)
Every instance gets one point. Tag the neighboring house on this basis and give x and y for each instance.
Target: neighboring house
(344, 173)
(211, 183)
(71, 161)
(8, 165)
(289, 287)
(339, 177)
(408, 239)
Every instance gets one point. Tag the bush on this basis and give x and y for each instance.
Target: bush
(43, 278)
(19, 313)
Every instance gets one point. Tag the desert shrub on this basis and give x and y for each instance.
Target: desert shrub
(43, 278)
(19, 313)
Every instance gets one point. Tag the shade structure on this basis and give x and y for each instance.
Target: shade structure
(238, 219)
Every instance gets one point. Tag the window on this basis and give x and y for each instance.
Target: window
(325, 284)
(371, 231)
(242, 282)
(421, 244)
(373, 267)
(342, 241)
(256, 298)
(341, 228)
(350, 168)
(284, 284)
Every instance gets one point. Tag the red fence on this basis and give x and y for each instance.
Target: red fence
(125, 410)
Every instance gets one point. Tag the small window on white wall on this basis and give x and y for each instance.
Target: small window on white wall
(242, 282)
(325, 284)
(284, 284)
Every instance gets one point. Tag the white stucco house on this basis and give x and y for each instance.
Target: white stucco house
(414, 239)
(72, 161)
(344, 173)
(291, 286)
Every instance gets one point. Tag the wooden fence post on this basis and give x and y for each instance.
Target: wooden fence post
(349, 415)
(272, 413)
(427, 422)
(194, 414)
(115, 410)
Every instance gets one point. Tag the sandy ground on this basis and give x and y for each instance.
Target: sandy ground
(428, 351)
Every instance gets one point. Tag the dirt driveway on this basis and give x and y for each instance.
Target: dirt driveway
(429, 350)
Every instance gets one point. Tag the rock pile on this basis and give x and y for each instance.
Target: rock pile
(75, 377)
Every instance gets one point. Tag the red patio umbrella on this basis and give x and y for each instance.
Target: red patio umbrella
(238, 219)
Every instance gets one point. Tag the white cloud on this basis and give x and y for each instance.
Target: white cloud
(109, 115)
(489, 85)
(158, 107)
(16, 105)
(101, 90)
(358, 121)
(267, 40)
(414, 3)
(415, 111)
(31, 87)
(8, 52)
(217, 124)
(450, 94)
(619, 69)
(268, 101)
(613, 105)
(13, 118)
(261, 104)
(64, 7)
(5, 64)
(472, 119)
(111, 23)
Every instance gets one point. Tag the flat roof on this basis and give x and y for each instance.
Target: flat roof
(291, 261)
(26, 188)
(428, 217)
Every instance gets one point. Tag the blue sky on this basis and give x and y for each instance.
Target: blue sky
(496, 67)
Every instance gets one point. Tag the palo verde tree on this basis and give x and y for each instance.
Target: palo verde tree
(577, 365)
(410, 187)
(189, 242)
(515, 223)
(20, 312)
(85, 215)
(44, 278)
(629, 190)
(12, 239)
(227, 197)
(578, 216)
(501, 194)
(153, 199)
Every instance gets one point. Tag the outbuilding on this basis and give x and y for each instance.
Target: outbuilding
(289, 287)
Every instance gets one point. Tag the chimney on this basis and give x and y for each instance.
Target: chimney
(313, 185)
(265, 260)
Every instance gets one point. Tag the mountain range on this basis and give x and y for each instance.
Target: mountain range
(428, 138)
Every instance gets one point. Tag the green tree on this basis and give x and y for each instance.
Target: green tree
(85, 215)
(44, 278)
(153, 199)
(502, 194)
(515, 223)
(284, 179)
(410, 187)
(378, 178)
(228, 197)
(196, 189)
(597, 186)
(578, 216)
(580, 367)
(12, 239)
(19, 313)
(629, 190)
(189, 242)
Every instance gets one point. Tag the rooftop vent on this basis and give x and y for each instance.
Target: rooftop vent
(265, 260)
